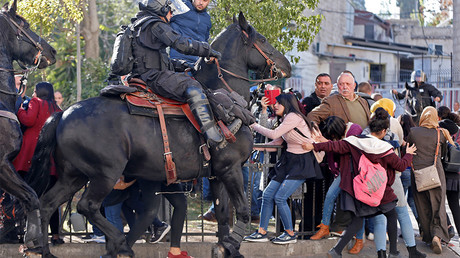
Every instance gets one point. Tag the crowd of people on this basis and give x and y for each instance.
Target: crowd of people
(324, 137)
(347, 125)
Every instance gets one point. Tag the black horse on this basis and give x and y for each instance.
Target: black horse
(18, 43)
(97, 140)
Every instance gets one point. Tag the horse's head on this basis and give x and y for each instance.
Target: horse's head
(23, 44)
(261, 56)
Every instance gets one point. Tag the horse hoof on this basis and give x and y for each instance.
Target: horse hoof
(218, 251)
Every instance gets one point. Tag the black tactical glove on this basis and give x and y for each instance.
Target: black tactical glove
(181, 65)
(214, 53)
(113, 80)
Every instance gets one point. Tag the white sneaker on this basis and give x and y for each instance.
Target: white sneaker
(96, 239)
(140, 241)
(370, 236)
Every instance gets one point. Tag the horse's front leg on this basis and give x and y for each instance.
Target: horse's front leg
(231, 185)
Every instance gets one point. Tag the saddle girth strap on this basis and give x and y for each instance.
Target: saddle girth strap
(170, 166)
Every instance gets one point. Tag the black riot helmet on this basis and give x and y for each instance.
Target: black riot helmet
(162, 7)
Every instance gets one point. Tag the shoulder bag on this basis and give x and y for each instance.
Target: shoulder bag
(428, 178)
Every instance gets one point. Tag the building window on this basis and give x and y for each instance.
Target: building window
(377, 73)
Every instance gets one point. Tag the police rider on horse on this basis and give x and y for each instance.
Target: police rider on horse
(428, 93)
(153, 65)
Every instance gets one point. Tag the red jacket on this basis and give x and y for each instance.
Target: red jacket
(390, 162)
(33, 118)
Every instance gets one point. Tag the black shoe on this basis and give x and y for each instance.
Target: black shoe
(381, 254)
(58, 241)
(159, 233)
(414, 253)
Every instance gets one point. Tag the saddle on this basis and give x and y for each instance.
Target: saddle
(146, 102)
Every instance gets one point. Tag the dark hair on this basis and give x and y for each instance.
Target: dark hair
(333, 128)
(380, 120)
(406, 123)
(45, 91)
(291, 105)
(323, 75)
(449, 125)
(454, 117)
(443, 112)
(364, 87)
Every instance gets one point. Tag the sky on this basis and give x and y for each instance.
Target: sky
(376, 6)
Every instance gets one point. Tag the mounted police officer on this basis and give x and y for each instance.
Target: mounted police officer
(153, 65)
(419, 94)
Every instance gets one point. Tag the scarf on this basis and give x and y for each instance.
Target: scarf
(429, 119)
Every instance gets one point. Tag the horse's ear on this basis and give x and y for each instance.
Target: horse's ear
(235, 21)
(242, 21)
(14, 7)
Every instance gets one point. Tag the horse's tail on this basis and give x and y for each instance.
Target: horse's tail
(38, 175)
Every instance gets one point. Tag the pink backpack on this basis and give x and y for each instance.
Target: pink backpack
(369, 185)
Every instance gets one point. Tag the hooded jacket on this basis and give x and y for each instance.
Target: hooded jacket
(376, 150)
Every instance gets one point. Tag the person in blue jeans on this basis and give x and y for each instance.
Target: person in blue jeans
(293, 167)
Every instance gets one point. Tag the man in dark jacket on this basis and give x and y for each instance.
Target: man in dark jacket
(194, 24)
(153, 66)
(323, 88)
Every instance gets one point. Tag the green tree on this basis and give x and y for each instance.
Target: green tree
(282, 22)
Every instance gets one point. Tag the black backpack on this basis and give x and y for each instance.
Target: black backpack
(122, 57)
(122, 61)
(451, 162)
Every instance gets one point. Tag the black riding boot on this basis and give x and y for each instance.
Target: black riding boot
(381, 254)
(201, 109)
(414, 253)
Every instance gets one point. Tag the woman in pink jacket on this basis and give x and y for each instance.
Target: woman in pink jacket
(293, 167)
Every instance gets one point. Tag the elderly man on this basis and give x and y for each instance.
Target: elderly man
(346, 105)
(323, 88)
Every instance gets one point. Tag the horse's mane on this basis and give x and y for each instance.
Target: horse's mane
(234, 26)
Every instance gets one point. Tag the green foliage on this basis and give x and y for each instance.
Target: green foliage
(112, 14)
(45, 15)
(282, 22)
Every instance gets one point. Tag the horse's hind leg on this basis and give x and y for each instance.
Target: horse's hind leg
(62, 191)
(89, 205)
(12, 183)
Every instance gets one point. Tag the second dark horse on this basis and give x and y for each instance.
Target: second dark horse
(18, 43)
(97, 140)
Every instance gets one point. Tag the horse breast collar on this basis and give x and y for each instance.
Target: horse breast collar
(10, 115)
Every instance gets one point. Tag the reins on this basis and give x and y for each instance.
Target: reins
(270, 63)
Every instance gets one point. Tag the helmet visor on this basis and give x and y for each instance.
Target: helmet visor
(178, 7)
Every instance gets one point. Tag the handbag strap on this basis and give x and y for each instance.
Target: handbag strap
(437, 146)
(297, 130)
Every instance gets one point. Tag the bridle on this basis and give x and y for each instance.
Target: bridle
(20, 32)
(270, 63)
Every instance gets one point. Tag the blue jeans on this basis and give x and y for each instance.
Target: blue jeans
(380, 229)
(278, 193)
(113, 215)
(405, 179)
(331, 196)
